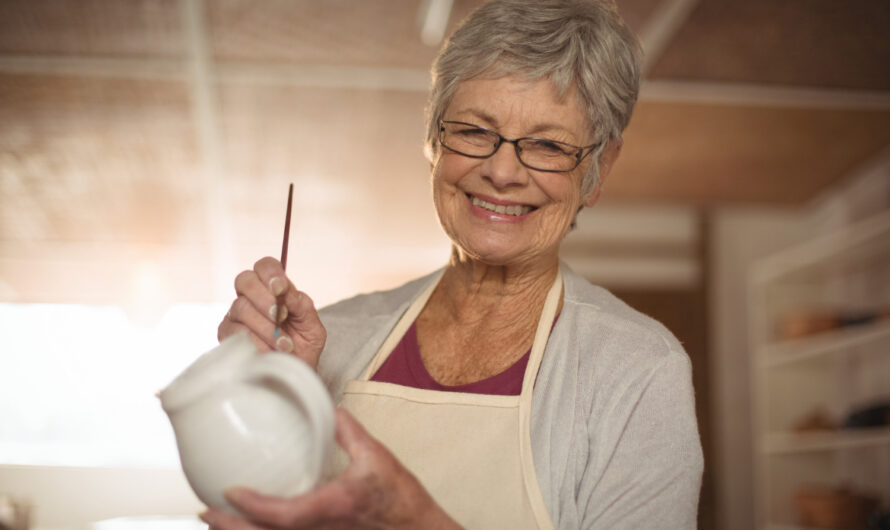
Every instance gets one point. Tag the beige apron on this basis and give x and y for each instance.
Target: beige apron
(472, 452)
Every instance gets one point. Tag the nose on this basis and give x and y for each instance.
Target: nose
(503, 168)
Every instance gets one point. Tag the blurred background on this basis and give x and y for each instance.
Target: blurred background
(146, 147)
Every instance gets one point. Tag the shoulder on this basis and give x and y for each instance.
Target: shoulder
(615, 397)
(357, 326)
(600, 320)
(375, 304)
(604, 357)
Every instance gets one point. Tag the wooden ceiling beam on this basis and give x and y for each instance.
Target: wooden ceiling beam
(74, 65)
(763, 96)
(417, 80)
(661, 28)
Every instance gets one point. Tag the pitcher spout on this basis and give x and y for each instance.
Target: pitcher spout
(209, 371)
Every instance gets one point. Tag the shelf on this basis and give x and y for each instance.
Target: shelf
(843, 273)
(827, 343)
(786, 526)
(794, 443)
(860, 242)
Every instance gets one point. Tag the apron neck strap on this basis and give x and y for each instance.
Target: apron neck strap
(542, 333)
(545, 324)
(401, 327)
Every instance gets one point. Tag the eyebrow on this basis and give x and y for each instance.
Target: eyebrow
(488, 119)
(541, 128)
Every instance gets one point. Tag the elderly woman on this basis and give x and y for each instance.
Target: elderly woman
(503, 391)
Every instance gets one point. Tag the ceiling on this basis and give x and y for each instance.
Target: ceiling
(164, 133)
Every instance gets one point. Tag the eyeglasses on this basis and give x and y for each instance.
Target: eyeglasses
(539, 154)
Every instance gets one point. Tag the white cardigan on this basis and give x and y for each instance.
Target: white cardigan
(613, 427)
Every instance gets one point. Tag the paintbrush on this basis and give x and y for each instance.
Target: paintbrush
(280, 302)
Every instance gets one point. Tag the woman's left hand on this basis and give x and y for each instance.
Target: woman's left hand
(375, 491)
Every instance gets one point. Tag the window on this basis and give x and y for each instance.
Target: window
(78, 383)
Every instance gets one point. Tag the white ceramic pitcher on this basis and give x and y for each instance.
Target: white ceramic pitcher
(263, 421)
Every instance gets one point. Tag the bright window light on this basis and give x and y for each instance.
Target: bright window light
(78, 383)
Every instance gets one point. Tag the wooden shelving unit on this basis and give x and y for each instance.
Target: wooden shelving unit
(793, 443)
(829, 343)
(805, 387)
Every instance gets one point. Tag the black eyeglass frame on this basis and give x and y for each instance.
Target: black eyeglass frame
(579, 156)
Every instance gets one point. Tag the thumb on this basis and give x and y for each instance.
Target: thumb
(303, 326)
(351, 435)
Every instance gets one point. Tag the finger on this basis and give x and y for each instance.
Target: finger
(271, 273)
(351, 435)
(229, 327)
(317, 507)
(291, 310)
(304, 326)
(293, 322)
(249, 285)
(220, 520)
(243, 312)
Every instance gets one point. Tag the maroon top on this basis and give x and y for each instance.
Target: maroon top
(404, 366)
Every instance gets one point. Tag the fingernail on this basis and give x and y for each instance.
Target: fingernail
(282, 313)
(277, 286)
(235, 494)
(284, 344)
(207, 517)
(273, 313)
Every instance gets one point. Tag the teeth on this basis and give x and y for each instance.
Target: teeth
(501, 209)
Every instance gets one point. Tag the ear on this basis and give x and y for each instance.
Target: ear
(607, 160)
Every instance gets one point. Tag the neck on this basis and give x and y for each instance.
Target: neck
(475, 288)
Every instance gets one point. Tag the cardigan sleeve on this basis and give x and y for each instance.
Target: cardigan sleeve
(652, 477)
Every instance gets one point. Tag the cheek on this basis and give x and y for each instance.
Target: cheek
(562, 189)
(438, 181)
(450, 168)
(443, 190)
(446, 176)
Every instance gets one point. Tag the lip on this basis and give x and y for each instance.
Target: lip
(488, 215)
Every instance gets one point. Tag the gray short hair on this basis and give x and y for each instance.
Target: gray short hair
(581, 43)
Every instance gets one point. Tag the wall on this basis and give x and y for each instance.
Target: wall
(739, 237)
(68, 498)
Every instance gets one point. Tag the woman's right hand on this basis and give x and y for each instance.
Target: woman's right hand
(266, 300)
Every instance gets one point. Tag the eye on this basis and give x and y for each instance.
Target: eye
(471, 135)
(471, 131)
(548, 147)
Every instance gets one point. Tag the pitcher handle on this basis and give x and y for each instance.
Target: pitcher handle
(305, 388)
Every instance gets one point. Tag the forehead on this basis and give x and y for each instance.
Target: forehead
(513, 101)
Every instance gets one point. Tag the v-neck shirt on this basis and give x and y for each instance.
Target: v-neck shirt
(405, 367)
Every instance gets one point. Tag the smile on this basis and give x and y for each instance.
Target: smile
(516, 210)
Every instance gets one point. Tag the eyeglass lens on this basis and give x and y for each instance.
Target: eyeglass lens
(535, 153)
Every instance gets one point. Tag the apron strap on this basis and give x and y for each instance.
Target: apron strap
(401, 327)
(529, 475)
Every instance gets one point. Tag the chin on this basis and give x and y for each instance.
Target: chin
(496, 260)
(500, 255)
(486, 254)
(496, 247)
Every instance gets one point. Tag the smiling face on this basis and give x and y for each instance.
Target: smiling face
(495, 210)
